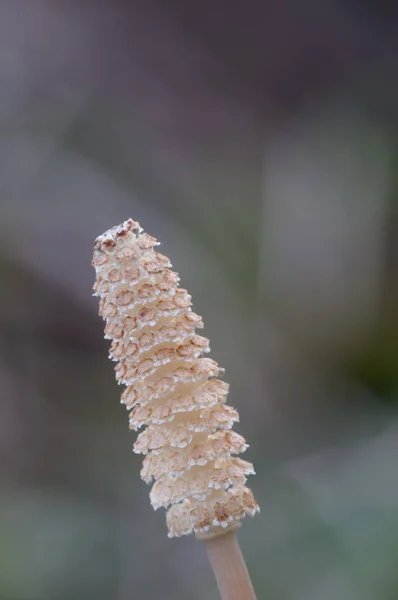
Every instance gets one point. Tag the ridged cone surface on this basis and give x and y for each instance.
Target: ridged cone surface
(172, 390)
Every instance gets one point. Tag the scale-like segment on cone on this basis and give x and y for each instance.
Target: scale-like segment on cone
(172, 390)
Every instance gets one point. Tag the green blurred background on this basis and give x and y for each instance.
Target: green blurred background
(259, 142)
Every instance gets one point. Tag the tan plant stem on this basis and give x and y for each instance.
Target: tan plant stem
(229, 568)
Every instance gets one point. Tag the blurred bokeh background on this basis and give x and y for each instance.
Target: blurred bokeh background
(258, 141)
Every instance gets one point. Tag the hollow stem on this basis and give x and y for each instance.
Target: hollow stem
(229, 568)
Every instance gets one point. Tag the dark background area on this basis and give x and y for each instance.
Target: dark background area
(259, 142)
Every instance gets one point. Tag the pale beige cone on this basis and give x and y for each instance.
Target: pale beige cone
(171, 389)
